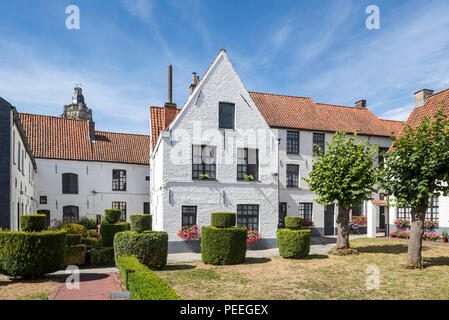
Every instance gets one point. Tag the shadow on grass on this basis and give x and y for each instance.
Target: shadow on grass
(435, 261)
(316, 257)
(177, 267)
(387, 248)
(256, 260)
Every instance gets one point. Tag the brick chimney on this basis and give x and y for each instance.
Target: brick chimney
(421, 96)
(195, 81)
(91, 130)
(360, 104)
(170, 109)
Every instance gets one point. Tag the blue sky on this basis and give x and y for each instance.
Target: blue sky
(318, 49)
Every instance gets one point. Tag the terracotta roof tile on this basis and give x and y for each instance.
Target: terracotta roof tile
(58, 138)
(158, 122)
(303, 113)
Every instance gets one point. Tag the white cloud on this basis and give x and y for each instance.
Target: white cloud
(399, 114)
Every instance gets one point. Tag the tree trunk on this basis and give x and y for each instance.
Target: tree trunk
(416, 232)
(342, 227)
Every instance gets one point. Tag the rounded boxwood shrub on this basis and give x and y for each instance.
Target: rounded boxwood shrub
(150, 247)
(108, 231)
(73, 228)
(101, 257)
(73, 239)
(112, 215)
(140, 222)
(293, 244)
(76, 255)
(223, 219)
(32, 254)
(32, 222)
(223, 246)
(294, 223)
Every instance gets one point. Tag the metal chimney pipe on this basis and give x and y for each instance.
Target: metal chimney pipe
(170, 84)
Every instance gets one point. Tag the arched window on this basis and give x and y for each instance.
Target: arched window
(69, 183)
(70, 214)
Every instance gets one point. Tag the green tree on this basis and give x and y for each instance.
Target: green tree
(415, 169)
(346, 174)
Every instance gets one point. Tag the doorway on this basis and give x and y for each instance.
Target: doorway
(47, 217)
(382, 218)
(282, 214)
(329, 220)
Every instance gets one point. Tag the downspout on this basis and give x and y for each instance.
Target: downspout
(279, 185)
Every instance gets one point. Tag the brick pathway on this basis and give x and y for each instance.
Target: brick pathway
(93, 286)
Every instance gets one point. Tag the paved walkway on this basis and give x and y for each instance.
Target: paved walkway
(92, 286)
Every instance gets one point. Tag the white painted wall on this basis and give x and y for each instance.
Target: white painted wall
(23, 181)
(92, 176)
(198, 124)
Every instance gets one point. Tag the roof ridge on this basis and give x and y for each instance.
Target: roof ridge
(434, 94)
(50, 116)
(127, 133)
(282, 95)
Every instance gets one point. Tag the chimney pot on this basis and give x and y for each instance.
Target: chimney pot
(421, 96)
(360, 104)
(170, 84)
(195, 80)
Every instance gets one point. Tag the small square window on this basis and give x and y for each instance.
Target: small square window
(226, 117)
(43, 200)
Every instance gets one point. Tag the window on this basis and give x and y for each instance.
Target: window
(432, 211)
(292, 175)
(121, 206)
(318, 143)
(404, 213)
(293, 142)
(43, 200)
(70, 214)
(119, 180)
(305, 210)
(226, 117)
(146, 208)
(14, 147)
(248, 216)
(69, 183)
(18, 157)
(203, 161)
(247, 163)
(357, 209)
(147, 178)
(381, 156)
(188, 216)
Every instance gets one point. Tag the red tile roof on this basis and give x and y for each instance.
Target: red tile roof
(58, 138)
(283, 111)
(159, 121)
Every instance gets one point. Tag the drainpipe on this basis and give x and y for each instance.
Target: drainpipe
(279, 185)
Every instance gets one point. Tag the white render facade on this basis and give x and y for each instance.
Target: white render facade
(95, 191)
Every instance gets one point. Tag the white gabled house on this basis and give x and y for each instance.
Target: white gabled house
(220, 133)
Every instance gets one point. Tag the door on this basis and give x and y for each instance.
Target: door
(382, 217)
(282, 214)
(47, 217)
(329, 220)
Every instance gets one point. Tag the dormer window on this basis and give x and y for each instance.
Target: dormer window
(226, 117)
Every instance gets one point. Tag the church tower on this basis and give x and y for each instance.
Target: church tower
(78, 109)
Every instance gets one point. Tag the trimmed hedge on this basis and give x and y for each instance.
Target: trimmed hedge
(34, 254)
(293, 244)
(223, 219)
(294, 223)
(150, 247)
(101, 257)
(94, 242)
(223, 246)
(32, 222)
(108, 231)
(112, 215)
(76, 255)
(140, 222)
(142, 283)
(73, 228)
(88, 223)
(73, 239)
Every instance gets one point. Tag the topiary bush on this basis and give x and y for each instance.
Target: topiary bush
(32, 254)
(88, 223)
(223, 219)
(293, 223)
(32, 222)
(140, 222)
(223, 246)
(150, 247)
(76, 254)
(73, 239)
(108, 231)
(142, 283)
(293, 244)
(101, 257)
(94, 242)
(112, 215)
(73, 228)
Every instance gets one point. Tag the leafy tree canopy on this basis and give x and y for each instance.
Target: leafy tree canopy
(346, 172)
(417, 167)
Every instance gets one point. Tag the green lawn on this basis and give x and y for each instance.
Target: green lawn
(319, 276)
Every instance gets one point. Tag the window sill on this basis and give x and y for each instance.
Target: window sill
(204, 180)
(248, 181)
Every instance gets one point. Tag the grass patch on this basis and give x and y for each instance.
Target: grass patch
(319, 277)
